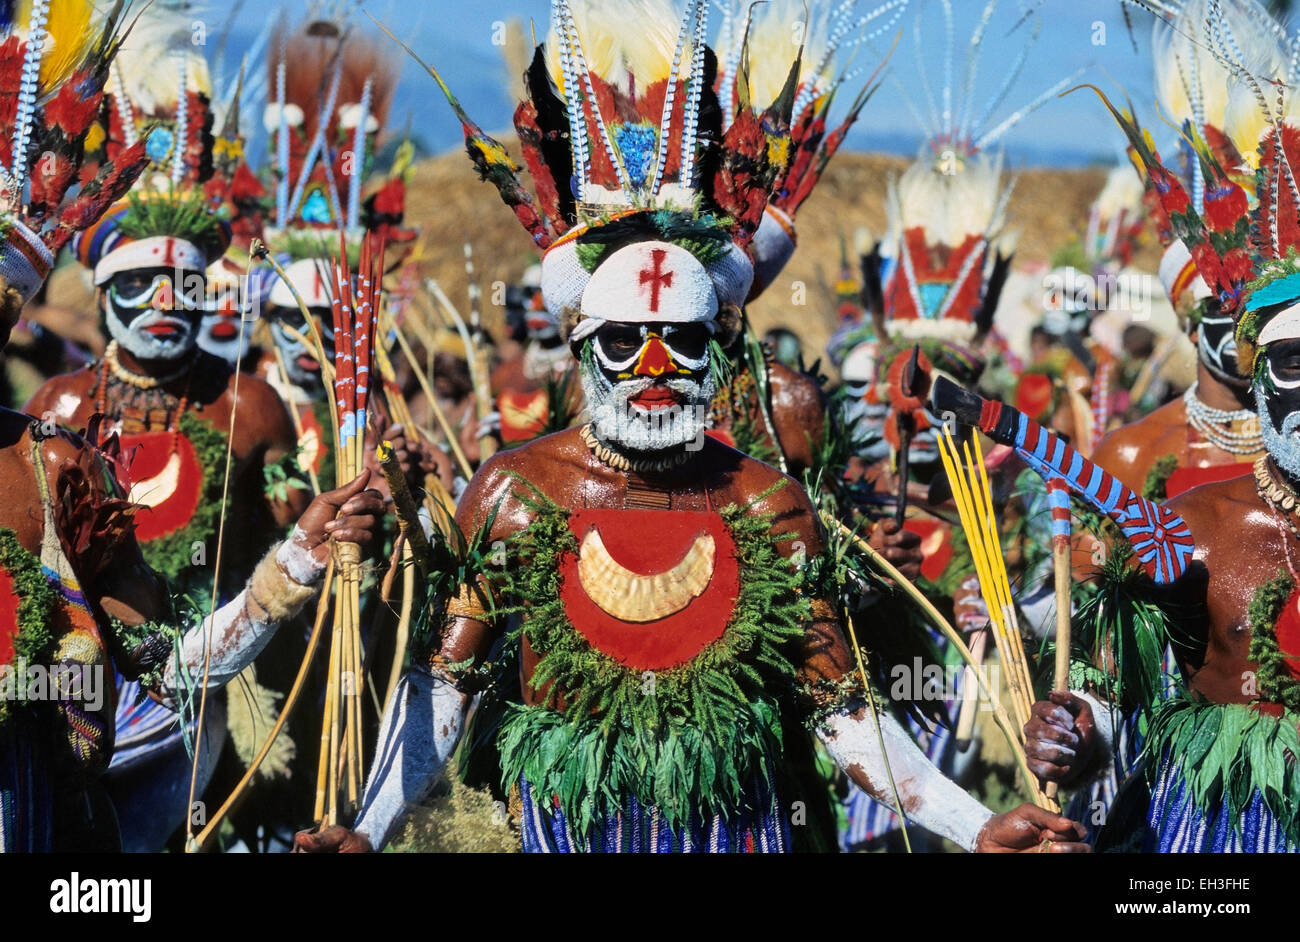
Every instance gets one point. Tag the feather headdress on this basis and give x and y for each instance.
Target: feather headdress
(1241, 230)
(161, 91)
(623, 137)
(1201, 51)
(758, 39)
(54, 61)
(329, 88)
(947, 212)
(159, 99)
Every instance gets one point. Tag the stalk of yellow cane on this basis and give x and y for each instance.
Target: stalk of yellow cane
(888, 570)
(452, 440)
(973, 496)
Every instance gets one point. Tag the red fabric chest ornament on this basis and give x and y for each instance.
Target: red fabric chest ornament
(1288, 633)
(166, 481)
(8, 616)
(650, 588)
(1184, 479)
(523, 414)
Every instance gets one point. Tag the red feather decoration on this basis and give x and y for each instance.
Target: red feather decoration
(112, 181)
(12, 51)
(530, 143)
(1279, 177)
(743, 181)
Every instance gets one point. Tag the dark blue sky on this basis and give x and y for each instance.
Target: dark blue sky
(457, 36)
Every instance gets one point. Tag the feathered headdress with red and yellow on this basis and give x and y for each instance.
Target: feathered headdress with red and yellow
(757, 43)
(55, 57)
(623, 136)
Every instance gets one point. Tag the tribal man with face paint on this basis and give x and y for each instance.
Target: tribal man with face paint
(669, 637)
(1234, 627)
(1222, 557)
(1212, 432)
(174, 401)
(77, 599)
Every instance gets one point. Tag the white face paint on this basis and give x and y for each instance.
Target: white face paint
(219, 330)
(1283, 444)
(1216, 344)
(612, 382)
(149, 318)
(299, 360)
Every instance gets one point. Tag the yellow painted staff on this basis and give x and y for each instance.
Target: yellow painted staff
(883, 567)
(974, 499)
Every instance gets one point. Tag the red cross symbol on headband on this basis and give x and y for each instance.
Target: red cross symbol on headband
(656, 277)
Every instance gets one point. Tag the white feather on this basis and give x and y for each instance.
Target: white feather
(623, 40)
(948, 206)
(1121, 194)
(163, 30)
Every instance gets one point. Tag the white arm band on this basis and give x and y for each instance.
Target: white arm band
(232, 636)
(929, 798)
(421, 728)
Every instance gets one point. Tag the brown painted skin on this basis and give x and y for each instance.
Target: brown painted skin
(799, 414)
(798, 409)
(1240, 545)
(1131, 451)
(564, 469)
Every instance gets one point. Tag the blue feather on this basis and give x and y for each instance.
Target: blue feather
(1279, 292)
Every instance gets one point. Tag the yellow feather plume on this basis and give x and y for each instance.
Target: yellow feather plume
(147, 64)
(623, 41)
(1189, 65)
(69, 41)
(776, 31)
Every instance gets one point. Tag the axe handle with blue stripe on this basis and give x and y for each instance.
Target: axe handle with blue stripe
(1160, 538)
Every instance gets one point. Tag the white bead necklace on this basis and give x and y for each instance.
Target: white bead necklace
(1209, 423)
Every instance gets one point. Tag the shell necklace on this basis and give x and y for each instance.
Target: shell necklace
(621, 462)
(1277, 493)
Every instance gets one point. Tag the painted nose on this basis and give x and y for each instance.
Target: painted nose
(163, 299)
(655, 360)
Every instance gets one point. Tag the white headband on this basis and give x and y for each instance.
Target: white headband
(152, 252)
(637, 284)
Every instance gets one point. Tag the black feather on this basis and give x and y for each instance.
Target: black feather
(992, 291)
(553, 120)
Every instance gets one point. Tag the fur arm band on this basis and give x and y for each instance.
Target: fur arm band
(232, 636)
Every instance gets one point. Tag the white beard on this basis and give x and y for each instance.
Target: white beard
(1283, 444)
(619, 423)
(145, 346)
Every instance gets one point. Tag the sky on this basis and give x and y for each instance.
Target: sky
(1084, 36)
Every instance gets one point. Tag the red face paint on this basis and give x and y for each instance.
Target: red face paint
(656, 277)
